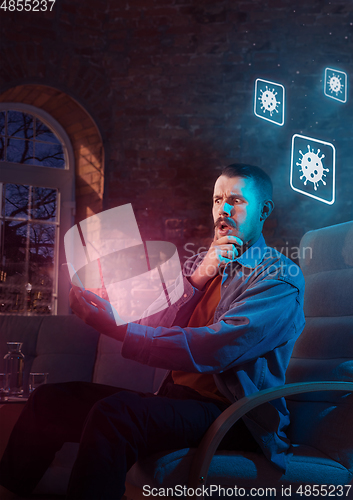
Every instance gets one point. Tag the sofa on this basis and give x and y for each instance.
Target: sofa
(68, 350)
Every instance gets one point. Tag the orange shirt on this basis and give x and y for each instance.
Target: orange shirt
(203, 315)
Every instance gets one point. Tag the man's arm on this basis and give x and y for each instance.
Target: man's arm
(101, 315)
(263, 317)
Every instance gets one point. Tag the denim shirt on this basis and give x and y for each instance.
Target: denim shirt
(249, 345)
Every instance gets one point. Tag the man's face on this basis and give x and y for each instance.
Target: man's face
(237, 209)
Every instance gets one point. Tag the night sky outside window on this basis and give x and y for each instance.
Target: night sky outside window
(25, 139)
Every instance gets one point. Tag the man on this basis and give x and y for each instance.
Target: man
(238, 319)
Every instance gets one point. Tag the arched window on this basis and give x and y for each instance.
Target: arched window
(36, 209)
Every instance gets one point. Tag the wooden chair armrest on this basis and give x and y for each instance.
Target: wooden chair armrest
(209, 444)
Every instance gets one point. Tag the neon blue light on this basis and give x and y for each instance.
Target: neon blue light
(313, 164)
(335, 84)
(269, 101)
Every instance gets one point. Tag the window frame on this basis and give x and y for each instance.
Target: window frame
(61, 179)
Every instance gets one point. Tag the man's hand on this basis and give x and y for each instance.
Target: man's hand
(96, 312)
(221, 252)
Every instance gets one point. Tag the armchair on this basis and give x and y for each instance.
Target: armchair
(318, 392)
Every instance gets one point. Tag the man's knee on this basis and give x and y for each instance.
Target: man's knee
(121, 410)
(116, 403)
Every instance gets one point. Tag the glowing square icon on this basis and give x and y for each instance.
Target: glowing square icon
(269, 101)
(106, 255)
(313, 165)
(335, 84)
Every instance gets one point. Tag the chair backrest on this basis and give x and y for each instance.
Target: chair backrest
(324, 351)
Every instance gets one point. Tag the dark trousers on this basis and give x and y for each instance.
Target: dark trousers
(114, 427)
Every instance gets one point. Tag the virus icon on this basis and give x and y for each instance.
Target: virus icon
(335, 84)
(268, 100)
(312, 167)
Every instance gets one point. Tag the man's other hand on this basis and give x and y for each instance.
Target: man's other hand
(221, 251)
(96, 312)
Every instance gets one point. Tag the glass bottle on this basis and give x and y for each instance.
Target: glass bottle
(14, 365)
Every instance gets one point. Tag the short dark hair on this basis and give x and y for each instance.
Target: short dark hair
(261, 179)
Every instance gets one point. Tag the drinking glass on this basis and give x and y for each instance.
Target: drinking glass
(37, 379)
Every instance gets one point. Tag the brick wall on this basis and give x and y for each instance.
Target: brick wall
(170, 85)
